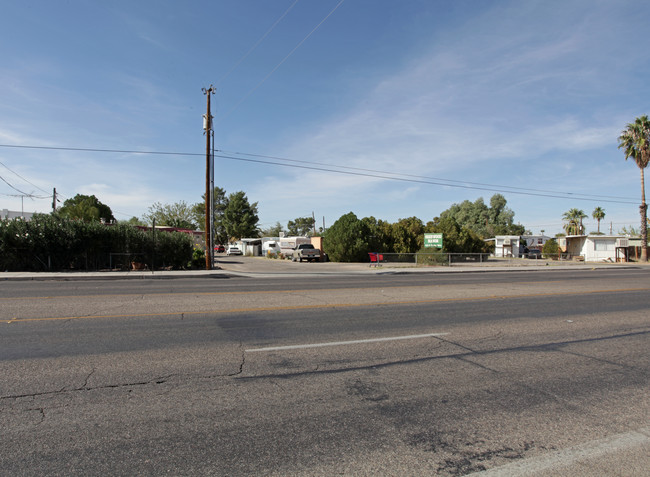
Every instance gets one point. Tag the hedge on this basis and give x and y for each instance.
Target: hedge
(51, 242)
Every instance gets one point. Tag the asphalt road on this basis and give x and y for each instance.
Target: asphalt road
(527, 373)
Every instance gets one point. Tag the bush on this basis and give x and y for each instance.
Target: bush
(426, 257)
(551, 249)
(198, 259)
(52, 242)
(345, 240)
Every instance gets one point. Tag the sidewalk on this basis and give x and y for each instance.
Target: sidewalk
(268, 268)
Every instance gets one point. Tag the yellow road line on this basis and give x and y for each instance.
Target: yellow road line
(258, 292)
(324, 306)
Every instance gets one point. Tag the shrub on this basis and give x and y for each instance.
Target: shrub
(426, 257)
(345, 240)
(551, 248)
(52, 242)
(198, 259)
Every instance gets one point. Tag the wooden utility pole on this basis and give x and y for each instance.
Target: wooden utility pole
(207, 126)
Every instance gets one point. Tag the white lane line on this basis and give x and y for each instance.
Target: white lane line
(344, 343)
(560, 462)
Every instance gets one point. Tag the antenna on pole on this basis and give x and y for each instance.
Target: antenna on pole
(207, 127)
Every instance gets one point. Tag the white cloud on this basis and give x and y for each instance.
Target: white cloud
(497, 92)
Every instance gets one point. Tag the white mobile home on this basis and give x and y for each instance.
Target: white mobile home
(595, 248)
(517, 245)
(507, 246)
(287, 244)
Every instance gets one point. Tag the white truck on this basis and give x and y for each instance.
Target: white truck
(305, 251)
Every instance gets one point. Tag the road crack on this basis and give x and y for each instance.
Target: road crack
(241, 363)
(85, 384)
(155, 381)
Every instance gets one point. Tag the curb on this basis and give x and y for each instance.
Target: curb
(224, 273)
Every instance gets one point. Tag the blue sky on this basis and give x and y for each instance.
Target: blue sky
(463, 99)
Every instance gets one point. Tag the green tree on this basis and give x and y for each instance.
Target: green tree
(598, 214)
(457, 239)
(303, 226)
(631, 231)
(240, 217)
(178, 215)
(550, 248)
(347, 239)
(380, 235)
(219, 204)
(133, 221)
(408, 235)
(501, 219)
(573, 218)
(87, 208)
(273, 231)
(635, 141)
(497, 219)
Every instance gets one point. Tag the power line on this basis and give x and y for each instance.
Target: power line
(280, 64)
(427, 177)
(22, 193)
(430, 182)
(114, 151)
(21, 177)
(30, 196)
(234, 67)
(378, 174)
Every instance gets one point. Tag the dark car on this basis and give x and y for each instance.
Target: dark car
(534, 253)
(219, 248)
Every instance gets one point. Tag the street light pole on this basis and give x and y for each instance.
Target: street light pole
(207, 126)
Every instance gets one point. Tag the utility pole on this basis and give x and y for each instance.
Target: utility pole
(207, 126)
(54, 200)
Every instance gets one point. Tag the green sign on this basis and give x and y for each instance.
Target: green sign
(433, 240)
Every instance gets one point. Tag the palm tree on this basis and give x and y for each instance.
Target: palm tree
(635, 141)
(598, 214)
(574, 217)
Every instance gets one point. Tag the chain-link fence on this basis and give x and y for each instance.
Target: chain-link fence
(459, 259)
(441, 259)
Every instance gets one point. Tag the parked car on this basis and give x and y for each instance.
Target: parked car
(534, 253)
(233, 250)
(219, 248)
(305, 251)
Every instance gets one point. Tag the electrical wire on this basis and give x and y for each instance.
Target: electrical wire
(21, 177)
(29, 196)
(356, 172)
(423, 181)
(234, 67)
(426, 177)
(25, 194)
(278, 65)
